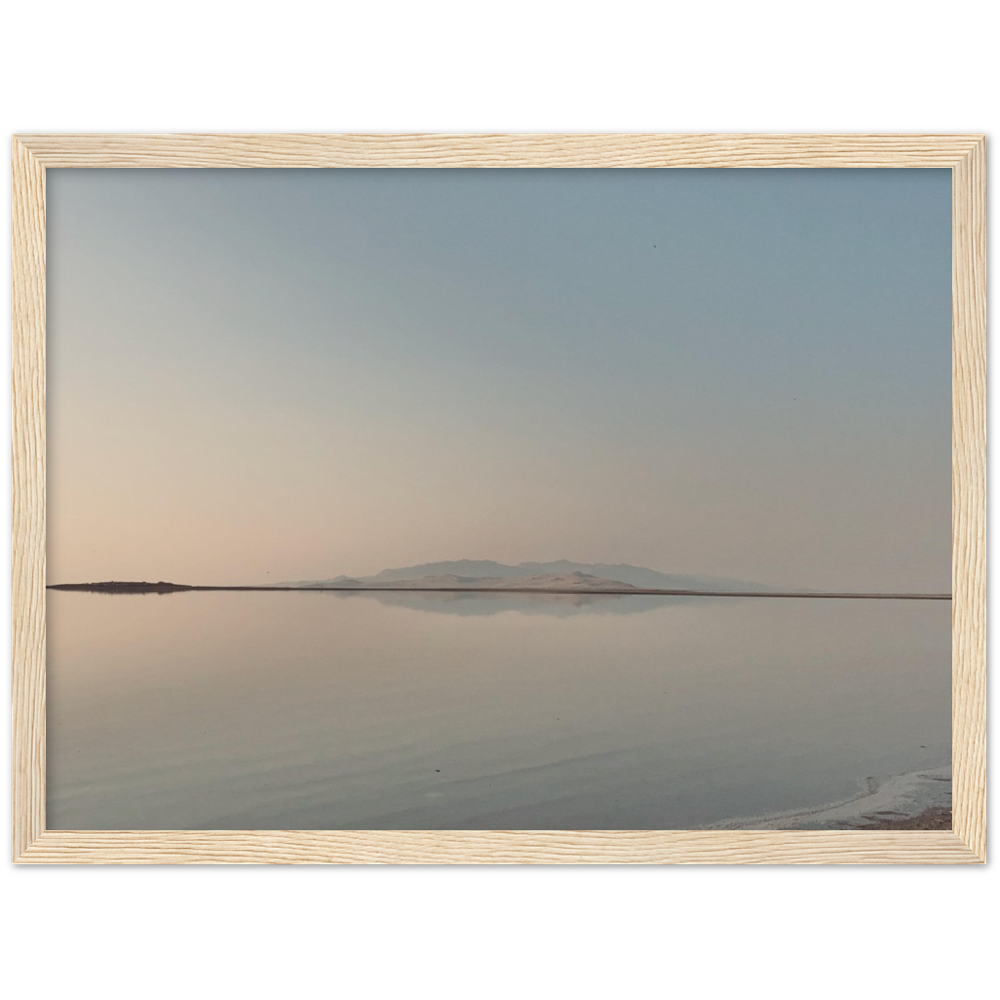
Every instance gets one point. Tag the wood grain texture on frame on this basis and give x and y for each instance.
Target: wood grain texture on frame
(497, 847)
(28, 495)
(968, 485)
(654, 151)
(964, 154)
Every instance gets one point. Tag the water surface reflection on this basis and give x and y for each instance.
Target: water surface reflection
(311, 710)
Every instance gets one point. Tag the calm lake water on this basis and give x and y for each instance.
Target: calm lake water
(319, 710)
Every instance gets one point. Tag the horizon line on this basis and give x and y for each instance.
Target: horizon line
(162, 586)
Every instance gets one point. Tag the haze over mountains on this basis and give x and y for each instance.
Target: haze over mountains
(561, 574)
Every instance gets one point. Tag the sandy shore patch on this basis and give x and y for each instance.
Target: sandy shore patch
(929, 819)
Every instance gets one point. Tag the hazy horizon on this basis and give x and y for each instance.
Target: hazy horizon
(272, 375)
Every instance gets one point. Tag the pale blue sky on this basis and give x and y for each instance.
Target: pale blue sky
(292, 373)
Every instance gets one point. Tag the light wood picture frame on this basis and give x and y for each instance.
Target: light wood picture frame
(963, 154)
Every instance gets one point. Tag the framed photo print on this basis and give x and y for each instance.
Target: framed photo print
(499, 499)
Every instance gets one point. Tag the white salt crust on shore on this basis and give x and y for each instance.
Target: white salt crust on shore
(901, 796)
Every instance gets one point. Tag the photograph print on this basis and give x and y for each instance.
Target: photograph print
(510, 499)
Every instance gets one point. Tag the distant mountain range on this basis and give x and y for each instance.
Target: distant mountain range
(559, 575)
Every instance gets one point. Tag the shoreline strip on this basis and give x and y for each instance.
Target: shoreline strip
(634, 592)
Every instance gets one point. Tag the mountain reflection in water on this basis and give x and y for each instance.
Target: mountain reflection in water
(485, 603)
